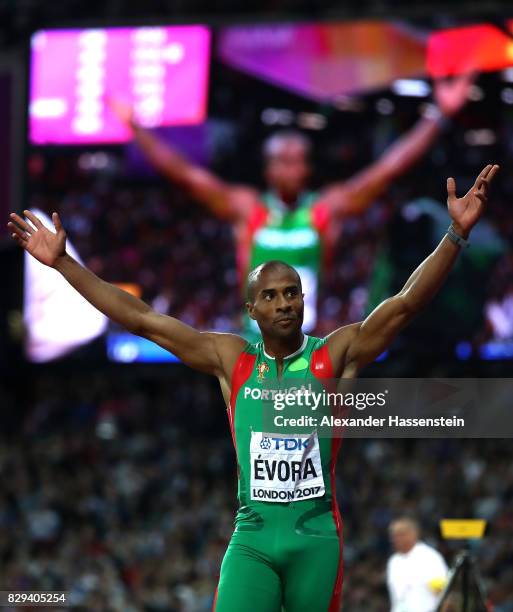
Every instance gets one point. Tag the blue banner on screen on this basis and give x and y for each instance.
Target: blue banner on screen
(127, 348)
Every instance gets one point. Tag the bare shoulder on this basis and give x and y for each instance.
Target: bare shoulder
(243, 200)
(228, 348)
(338, 343)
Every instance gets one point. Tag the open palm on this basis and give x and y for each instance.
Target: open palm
(466, 211)
(43, 244)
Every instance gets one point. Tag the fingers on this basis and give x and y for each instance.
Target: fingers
(484, 172)
(17, 233)
(57, 222)
(33, 219)
(19, 240)
(22, 223)
(486, 176)
(481, 196)
(451, 188)
(492, 173)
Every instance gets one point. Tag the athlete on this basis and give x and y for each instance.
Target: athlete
(288, 222)
(282, 553)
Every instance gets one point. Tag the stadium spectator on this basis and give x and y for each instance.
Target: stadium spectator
(416, 572)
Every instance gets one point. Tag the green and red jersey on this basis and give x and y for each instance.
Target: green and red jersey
(292, 235)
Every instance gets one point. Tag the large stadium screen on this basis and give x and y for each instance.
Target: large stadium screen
(143, 215)
(161, 71)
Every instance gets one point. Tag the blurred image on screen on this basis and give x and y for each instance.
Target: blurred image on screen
(355, 90)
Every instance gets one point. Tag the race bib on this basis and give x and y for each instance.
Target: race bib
(285, 468)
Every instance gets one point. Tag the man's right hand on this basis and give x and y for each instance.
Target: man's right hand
(46, 246)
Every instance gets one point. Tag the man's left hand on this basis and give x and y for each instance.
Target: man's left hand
(466, 211)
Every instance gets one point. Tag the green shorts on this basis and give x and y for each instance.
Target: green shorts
(283, 557)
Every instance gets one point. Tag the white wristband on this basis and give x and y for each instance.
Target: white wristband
(456, 238)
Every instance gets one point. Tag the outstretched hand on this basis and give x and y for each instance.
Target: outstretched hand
(466, 211)
(43, 244)
(451, 94)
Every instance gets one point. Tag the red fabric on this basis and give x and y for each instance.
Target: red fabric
(215, 599)
(336, 598)
(322, 368)
(256, 220)
(320, 216)
(241, 373)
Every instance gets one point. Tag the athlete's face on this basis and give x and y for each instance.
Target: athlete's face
(403, 536)
(287, 170)
(278, 304)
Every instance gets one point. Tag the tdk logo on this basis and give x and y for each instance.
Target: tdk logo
(287, 444)
(265, 444)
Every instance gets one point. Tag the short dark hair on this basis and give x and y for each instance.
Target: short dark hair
(270, 143)
(254, 275)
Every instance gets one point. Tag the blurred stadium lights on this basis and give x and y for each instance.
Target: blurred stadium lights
(480, 138)
(507, 75)
(94, 161)
(463, 350)
(348, 104)
(414, 88)
(507, 95)
(277, 116)
(311, 121)
(385, 106)
(106, 428)
(497, 350)
(476, 94)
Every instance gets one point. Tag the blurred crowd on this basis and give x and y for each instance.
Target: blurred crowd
(135, 229)
(119, 486)
(183, 259)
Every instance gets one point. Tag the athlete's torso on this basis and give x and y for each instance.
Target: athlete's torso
(291, 473)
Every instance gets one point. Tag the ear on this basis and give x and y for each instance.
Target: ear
(250, 310)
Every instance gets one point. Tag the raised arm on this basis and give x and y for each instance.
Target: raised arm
(358, 193)
(356, 345)
(208, 352)
(231, 202)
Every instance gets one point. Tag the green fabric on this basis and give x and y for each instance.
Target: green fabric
(282, 555)
(289, 236)
(279, 569)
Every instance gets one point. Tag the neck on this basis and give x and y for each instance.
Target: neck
(289, 199)
(283, 347)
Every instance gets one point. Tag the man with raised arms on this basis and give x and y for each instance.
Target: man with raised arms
(288, 221)
(286, 550)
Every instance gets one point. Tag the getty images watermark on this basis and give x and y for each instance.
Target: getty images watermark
(388, 408)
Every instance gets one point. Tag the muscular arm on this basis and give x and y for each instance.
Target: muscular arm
(354, 346)
(204, 351)
(354, 196)
(358, 193)
(208, 352)
(231, 202)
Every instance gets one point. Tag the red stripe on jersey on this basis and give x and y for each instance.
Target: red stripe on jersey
(257, 219)
(214, 605)
(241, 372)
(320, 216)
(322, 367)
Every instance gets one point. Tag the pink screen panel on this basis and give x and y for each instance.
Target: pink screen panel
(162, 72)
